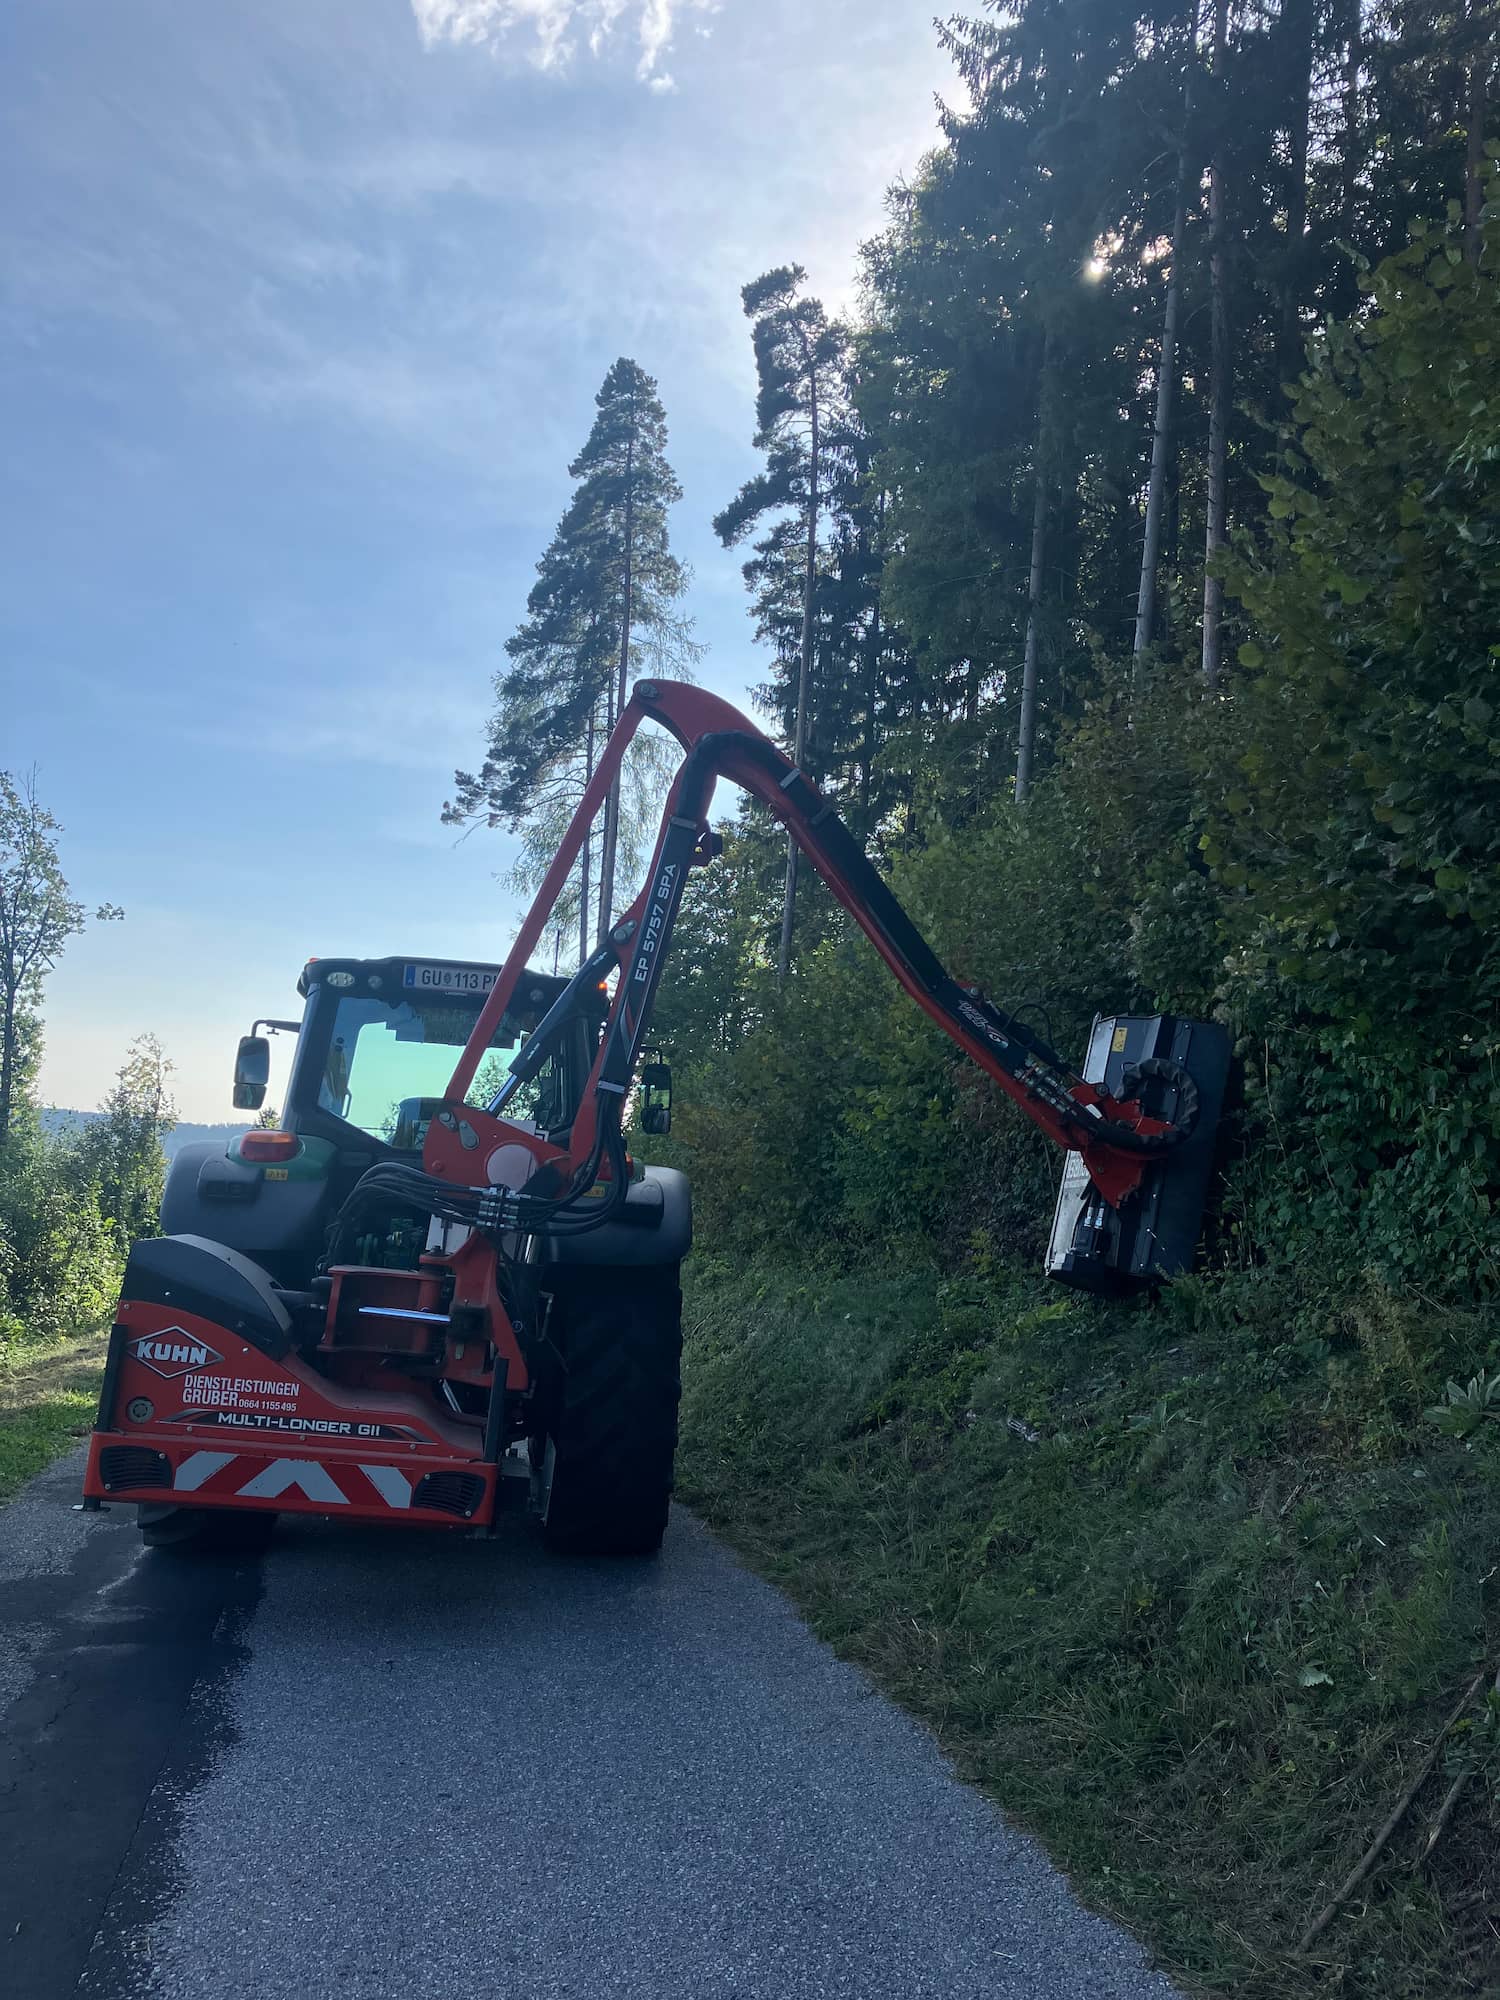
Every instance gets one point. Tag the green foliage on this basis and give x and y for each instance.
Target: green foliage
(70, 1207)
(1468, 1406)
(1360, 825)
(38, 914)
(59, 1255)
(119, 1155)
(1286, 857)
(842, 1109)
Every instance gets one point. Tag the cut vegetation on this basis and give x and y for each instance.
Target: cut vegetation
(1190, 1589)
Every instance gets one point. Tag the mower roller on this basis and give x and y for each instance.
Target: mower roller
(425, 1293)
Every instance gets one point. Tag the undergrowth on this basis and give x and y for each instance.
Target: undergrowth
(1189, 1587)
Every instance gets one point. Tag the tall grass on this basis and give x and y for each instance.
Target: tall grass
(1187, 1587)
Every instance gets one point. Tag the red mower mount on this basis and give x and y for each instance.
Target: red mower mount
(442, 1284)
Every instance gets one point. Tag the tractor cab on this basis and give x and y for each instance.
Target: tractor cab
(379, 1038)
(375, 1048)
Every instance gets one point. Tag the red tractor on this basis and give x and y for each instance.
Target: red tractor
(442, 1280)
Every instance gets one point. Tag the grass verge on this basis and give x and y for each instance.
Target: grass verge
(1189, 1588)
(47, 1399)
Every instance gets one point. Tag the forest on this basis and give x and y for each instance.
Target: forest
(1126, 567)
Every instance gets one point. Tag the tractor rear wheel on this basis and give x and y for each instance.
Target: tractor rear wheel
(613, 1428)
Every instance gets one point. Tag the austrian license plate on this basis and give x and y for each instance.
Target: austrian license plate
(447, 979)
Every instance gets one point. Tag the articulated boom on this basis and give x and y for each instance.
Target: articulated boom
(1114, 1137)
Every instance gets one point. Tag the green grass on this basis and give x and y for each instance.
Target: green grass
(47, 1400)
(1188, 1588)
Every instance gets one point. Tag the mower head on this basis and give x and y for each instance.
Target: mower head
(1179, 1070)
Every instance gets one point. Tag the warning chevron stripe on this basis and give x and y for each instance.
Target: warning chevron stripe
(280, 1476)
(158, 1466)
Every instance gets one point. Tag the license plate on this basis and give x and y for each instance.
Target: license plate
(447, 979)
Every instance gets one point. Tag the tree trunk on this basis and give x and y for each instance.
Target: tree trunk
(1172, 551)
(1219, 385)
(584, 912)
(7, 1062)
(873, 642)
(1353, 129)
(1026, 730)
(1289, 356)
(1478, 96)
(804, 682)
(604, 729)
(1166, 376)
(612, 803)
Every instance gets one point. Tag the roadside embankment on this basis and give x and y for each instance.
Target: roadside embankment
(48, 1393)
(1191, 1588)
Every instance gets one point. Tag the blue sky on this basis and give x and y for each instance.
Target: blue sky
(304, 304)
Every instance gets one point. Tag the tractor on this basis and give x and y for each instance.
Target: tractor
(441, 1284)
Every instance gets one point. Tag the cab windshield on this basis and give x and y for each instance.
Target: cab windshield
(388, 1060)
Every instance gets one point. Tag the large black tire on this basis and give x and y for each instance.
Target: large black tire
(612, 1429)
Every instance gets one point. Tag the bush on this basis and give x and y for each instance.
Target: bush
(60, 1258)
(1360, 825)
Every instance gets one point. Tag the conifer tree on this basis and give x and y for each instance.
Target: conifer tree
(799, 358)
(630, 572)
(603, 606)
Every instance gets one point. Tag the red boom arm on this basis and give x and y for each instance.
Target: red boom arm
(1113, 1135)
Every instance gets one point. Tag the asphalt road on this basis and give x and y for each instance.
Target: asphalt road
(392, 1766)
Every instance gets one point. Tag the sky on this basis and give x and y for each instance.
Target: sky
(303, 306)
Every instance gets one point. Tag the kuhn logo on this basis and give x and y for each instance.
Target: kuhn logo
(173, 1352)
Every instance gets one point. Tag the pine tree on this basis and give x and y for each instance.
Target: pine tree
(632, 575)
(603, 605)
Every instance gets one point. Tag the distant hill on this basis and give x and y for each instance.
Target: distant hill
(57, 1123)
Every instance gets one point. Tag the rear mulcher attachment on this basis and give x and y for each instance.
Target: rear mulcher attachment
(417, 1307)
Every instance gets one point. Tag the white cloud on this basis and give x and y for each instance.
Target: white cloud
(555, 26)
(661, 83)
(656, 33)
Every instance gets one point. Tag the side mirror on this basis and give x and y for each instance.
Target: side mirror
(252, 1072)
(656, 1101)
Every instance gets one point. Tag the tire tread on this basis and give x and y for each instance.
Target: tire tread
(615, 1434)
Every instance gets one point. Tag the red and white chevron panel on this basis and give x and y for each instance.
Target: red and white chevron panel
(213, 1474)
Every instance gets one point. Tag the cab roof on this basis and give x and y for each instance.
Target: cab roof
(389, 976)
